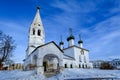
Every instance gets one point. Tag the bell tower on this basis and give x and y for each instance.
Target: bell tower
(36, 33)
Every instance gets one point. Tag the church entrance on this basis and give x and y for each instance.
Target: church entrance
(51, 63)
(45, 65)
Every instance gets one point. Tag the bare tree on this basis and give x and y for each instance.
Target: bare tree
(6, 48)
(106, 65)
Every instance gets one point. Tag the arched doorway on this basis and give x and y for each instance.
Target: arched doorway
(51, 63)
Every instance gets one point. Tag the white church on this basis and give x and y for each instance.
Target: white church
(46, 57)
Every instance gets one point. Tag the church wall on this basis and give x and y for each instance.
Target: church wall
(29, 60)
(79, 59)
(71, 42)
(26, 62)
(82, 60)
(87, 56)
(46, 50)
(69, 62)
(37, 38)
(77, 55)
(49, 49)
(30, 49)
(69, 52)
(33, 55)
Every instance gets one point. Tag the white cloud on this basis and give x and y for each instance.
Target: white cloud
(100, 38)
(104, 41)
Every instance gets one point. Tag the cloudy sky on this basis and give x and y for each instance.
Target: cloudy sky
(98, 22)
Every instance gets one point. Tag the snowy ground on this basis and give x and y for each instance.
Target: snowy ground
(87, 73)
(66, 74)
(20, 75)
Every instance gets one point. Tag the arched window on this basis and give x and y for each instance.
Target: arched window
(33, 31)
(83, 66)
(86, 65)
(38, 24)
(84, 59)
(39, 32)
(79, 66)
(80, 58)
(82, 52)
(71, 66)
(65, 65)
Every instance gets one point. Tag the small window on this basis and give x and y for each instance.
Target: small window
(86, 65)
(80, 58)
(71, 66)
(79, 66)
(39, 32)
(82, 52)
(83, 66)
(84, 59)
(65, 65)
(57, 65)
(33, 31)
(38, 24)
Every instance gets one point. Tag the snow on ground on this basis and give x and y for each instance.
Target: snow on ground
(86, 73)
(66, 74)
(92, 73)
(20, 75)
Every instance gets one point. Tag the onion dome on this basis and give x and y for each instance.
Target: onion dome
(71, 36)
(80, 41)
(61, 42)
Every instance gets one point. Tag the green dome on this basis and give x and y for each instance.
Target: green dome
(70, 37)
(80, 41)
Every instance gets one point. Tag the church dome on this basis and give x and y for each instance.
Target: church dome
(61, 43)
(80, 41)
(70, 37)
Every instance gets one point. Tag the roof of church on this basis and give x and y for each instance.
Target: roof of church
(68, 57)
(37, 18)
(76, 47)
(47, 44)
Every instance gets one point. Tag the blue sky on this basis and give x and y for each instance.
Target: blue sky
(96, 20)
